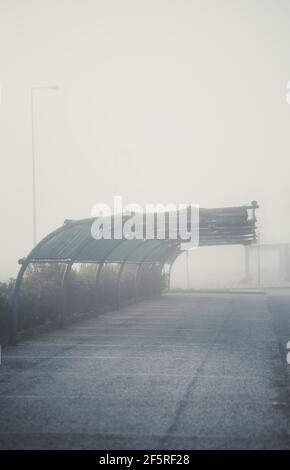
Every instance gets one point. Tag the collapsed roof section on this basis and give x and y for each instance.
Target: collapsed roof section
(74, 241)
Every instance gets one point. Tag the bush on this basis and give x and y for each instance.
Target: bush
(5, 305)
(82, 288)
(41, 295)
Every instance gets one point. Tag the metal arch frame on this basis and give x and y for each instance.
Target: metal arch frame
(100, 268)
(246, 237)
(123, 263)
(15, 304)
(64, 283)
(24, 265)
(69, 266)
(171, 266)
(16, 291)
(145, 262)
(122, 268)
(162, 263)
(28, 260)
(140, 265)
(153, 263)
(171, 250)
(151, 268)
(103, 262)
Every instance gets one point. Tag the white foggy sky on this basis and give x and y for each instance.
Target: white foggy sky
(185, 98)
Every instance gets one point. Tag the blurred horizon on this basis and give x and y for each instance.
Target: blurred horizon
(159, 101)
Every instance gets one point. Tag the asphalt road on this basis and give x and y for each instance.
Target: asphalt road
(196, 371)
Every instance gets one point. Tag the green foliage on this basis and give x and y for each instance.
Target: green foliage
(82, 289)
(41, 298)
(5, 305)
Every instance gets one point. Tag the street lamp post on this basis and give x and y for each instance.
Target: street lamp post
(34, 215)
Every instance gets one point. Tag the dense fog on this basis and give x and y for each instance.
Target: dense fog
(157, 101)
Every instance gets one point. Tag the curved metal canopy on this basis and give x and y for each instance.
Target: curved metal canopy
(74, 243)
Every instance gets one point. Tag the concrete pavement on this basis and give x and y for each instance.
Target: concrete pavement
(195, 371)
